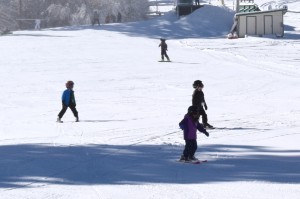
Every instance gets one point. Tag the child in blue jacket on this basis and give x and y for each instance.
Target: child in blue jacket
(190, 125)
(68, 100)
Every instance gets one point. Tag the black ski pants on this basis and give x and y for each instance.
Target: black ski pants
(64, 109)
(164, 53)
(96, 21)
(204, 115)
(190, 148)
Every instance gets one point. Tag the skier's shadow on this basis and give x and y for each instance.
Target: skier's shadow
(180, 62)
(237, 129)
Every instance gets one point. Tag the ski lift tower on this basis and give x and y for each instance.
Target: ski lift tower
(186, 7)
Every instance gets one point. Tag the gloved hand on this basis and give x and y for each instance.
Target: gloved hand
(205, 106)
(206, 133)
(182, 126)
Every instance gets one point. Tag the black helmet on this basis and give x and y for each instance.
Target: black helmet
(193, 109)
(197, 83)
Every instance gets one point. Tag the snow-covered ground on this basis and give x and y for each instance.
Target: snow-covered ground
(128, 140)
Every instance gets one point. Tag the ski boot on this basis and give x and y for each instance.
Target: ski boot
(184, 159)
(193, 158)
(59, 120)
(208, 126)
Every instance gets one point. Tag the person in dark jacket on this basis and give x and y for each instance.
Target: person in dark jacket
(190, 124)
(164, 48)
(199, 101)
(119, 17)
(68, 101)
(96, 18)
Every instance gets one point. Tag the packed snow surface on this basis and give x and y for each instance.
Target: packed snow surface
(127, 142)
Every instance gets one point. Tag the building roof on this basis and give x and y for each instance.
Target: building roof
(284, 10)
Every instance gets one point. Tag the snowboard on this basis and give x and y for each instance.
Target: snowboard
(164, 61)
(193, 162)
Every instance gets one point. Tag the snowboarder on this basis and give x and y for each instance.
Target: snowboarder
(68, 101)
(199, 101)
(96, 18)
(190, 125)
(164, 48)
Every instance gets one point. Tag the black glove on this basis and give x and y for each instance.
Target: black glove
(206, 133)
(205, 106)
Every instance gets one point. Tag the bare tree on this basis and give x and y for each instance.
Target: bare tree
(69, 12)
(7, 14)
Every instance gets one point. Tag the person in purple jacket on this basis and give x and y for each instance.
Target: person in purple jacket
(68, 100)
(190, 124)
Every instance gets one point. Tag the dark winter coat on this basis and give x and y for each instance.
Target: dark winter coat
(190, 126)
(68, 97)
(96, 16)
(163, 46)
(198, 99)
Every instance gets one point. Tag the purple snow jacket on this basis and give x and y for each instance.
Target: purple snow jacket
(190, 127)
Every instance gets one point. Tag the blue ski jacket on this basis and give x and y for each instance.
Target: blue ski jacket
(68, 97)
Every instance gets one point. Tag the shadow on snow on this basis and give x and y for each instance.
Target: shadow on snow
(27, 165)
(35, 35)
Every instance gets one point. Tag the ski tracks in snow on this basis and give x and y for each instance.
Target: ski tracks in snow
(262, 48)
(277, 4)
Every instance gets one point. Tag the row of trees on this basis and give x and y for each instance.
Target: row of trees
(67, 12)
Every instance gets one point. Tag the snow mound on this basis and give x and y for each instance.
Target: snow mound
(208, 21)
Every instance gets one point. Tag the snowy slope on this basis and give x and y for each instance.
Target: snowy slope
(203, 23)
(128, 141)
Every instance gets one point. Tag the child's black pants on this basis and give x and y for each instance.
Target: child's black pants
(64, 109)
(204, 115)
(164, 53)
(190, 148)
